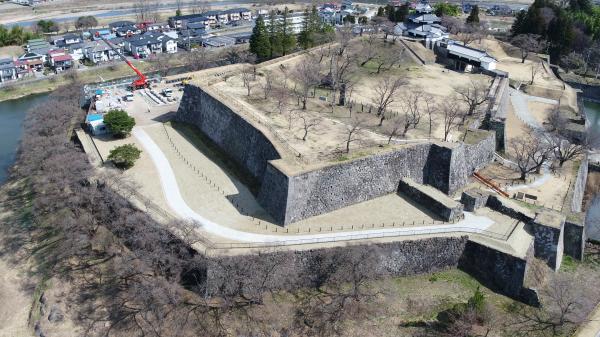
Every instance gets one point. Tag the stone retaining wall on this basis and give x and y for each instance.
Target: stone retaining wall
(579, 187)
(574, 240)
(498, 271)
(290, 197)
(291, 270)
(432, 199)
(548, 230)
(244, 143)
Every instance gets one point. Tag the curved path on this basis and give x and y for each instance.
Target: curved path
(470, 224)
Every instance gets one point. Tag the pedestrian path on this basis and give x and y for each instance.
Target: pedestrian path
(470, 224)
(520, 102)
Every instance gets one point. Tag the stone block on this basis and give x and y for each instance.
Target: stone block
(510, 208)
(432, 199)
(473, 199)
(574, 240)
(548, 230)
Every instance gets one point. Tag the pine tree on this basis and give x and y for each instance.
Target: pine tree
(288, 40)
(274, 32)
(306, 36)
(259, 40)
(380, 11)
(473, 17)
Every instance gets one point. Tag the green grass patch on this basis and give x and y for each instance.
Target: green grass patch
(215, 154)
(568, 264)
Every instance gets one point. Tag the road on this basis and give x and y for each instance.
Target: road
(471, 223)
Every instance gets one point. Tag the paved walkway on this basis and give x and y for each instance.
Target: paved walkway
(471, 223)
(520, 102)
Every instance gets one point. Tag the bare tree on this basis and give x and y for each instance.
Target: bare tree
(473, 95)
(307, 75)
(393, 128)
(267, 86)
(343, 35)
(384, 95)
(369, 48)
(248, 79)
(308, 123)
(530, 153)
(528, 43)
(353, 130)
(282, 97)
(429, 109)
(536, 68)
(197, 59)
(411, 105)
(388, 57)
(567, 299)
(452, 113)
(565, 149)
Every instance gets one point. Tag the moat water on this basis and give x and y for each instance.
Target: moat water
(592, 111)
(12, 114)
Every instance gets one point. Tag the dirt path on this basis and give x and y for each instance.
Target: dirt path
(15, 302)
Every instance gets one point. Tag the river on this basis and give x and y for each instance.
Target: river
(12, 114)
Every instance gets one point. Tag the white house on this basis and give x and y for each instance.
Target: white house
(464, 56)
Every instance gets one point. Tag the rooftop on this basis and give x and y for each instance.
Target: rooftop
(471, 53)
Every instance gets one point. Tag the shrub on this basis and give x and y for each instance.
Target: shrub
(124, 156)
(119, 123)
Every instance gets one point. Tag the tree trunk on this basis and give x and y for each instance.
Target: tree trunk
(523, 175)
(381, 119)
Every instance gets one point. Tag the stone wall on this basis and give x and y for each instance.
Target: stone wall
(548, 230)
(574, 240)
(332, 187)
(291, 270)
(432, 199)
(245, 144)
(474, 199)
(498, 271)
(495, 119)
(290, 197)
(579, 186)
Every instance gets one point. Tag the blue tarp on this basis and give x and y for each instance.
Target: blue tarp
(94, 117)
(99, 92)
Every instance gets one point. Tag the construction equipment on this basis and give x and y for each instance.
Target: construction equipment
(142, 81)
(490, 184)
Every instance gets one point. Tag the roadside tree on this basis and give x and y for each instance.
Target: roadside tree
(124, 156)
(119, 123)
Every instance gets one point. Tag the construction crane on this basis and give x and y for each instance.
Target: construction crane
(142, 81)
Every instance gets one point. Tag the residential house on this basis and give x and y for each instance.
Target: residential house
(8, 70)
(295, 21)
(142, 46)
(59, 60)
(126, 31)
(31, 62)
(99, 34)
(38, 46)
(157, 27)
(118, 24)
(217, 18)
(190, 39)
(181, 21)
(76, 51)
(99, 51)
(237, 14)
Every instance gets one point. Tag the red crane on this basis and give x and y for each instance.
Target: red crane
(141, 82)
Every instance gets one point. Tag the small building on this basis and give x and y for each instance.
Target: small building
(237, 14)
(59, 60)
(33, 60)
(126, 31)
(8, 70)
(463, 57)
(99, 34)
(99, 51)
(422, 19)
(118, 24)
(142, 46)
(423, 8)
(429, 33)
(95, 124)
(76, 51)
(219, 41)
